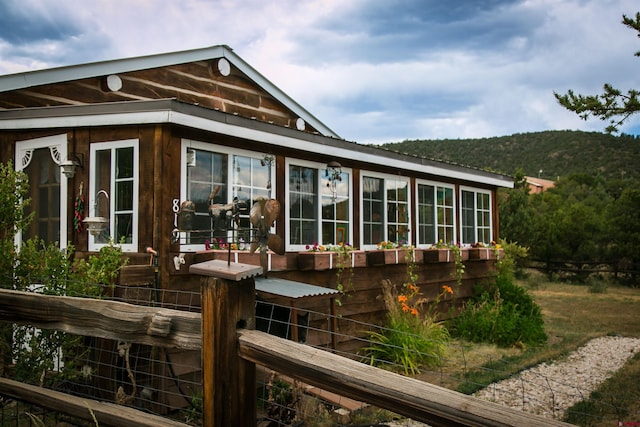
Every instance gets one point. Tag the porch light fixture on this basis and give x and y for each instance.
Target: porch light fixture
(334, 175)
(71, 165)
(96, 224)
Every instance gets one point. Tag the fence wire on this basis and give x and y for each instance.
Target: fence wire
(169, 382)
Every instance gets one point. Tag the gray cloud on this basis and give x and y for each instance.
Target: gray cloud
(374, 71)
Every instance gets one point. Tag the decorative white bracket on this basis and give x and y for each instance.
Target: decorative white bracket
(178, 261)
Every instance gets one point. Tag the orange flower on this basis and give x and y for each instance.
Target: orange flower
(447, 289)
(405, 307)
(412, 287)
(414, 311)
(402, 298)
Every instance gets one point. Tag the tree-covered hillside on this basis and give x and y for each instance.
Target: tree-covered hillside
(556, 153)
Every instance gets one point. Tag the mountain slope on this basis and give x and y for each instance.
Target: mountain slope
(551, 154)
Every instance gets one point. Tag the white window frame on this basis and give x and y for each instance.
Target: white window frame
(94, 197)
(475, 192)
(188, 144)
(57, 145)
(435, 185)
(320, 169)
(385, 221)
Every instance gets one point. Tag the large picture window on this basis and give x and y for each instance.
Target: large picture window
(221, 175)
(436, 219)
(476, 216)
(114, 193)
(318, 212)
(385, 210)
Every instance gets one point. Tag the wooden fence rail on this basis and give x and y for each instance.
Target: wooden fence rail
(231, 349)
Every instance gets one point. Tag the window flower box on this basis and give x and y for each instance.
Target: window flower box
(327, 260)
(484, 254)
(388, 256)
(437, 255)
(275, 262)
(315, 260)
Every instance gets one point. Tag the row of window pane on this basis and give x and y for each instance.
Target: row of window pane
(385, 204)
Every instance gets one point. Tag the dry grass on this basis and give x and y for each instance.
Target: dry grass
(573, 315)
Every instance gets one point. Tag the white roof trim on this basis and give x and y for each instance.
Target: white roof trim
(76, 72)
(179, 118)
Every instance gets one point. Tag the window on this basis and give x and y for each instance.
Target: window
(220, 175)
(476, 216)
(385, 210)
(316, 214)
(114, 193)
(436, 219)
(40, 158)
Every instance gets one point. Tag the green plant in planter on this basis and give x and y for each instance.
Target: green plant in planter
(457, 260)
(344, 271)
(98, 271)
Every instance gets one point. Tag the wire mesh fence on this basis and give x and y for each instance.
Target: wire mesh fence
(168, 382)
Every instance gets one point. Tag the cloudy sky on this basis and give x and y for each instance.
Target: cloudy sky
(372, 70)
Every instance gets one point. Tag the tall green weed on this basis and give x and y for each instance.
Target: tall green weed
(412, 338)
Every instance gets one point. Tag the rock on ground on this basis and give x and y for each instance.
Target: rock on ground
(549, 389)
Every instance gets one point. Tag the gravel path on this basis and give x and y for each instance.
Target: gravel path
(549, 389)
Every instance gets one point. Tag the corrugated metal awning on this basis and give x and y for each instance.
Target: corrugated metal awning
(291, 289)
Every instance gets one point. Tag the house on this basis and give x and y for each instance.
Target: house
(538, 185)
(150, 132)
(152, 142)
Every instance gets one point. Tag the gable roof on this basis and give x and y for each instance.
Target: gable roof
(55, 109)
(171, 111)
(104, 68)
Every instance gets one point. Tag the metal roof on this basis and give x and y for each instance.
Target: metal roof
(184, 114)
(291, 289)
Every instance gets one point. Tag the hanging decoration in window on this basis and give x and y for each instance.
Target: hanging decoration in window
(334, 175)
(267, 161)
(78, 209)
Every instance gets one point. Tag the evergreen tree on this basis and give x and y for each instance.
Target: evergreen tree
(613, 104)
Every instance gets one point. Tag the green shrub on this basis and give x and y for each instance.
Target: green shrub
(412, 337)
(503, 314)
(408, 343)
(514, 262)
(597, 285)
(97, 271)
(47, 269)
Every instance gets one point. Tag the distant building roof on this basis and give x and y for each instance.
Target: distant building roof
(538, 185)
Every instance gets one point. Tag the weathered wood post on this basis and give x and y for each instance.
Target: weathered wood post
(228, 381)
